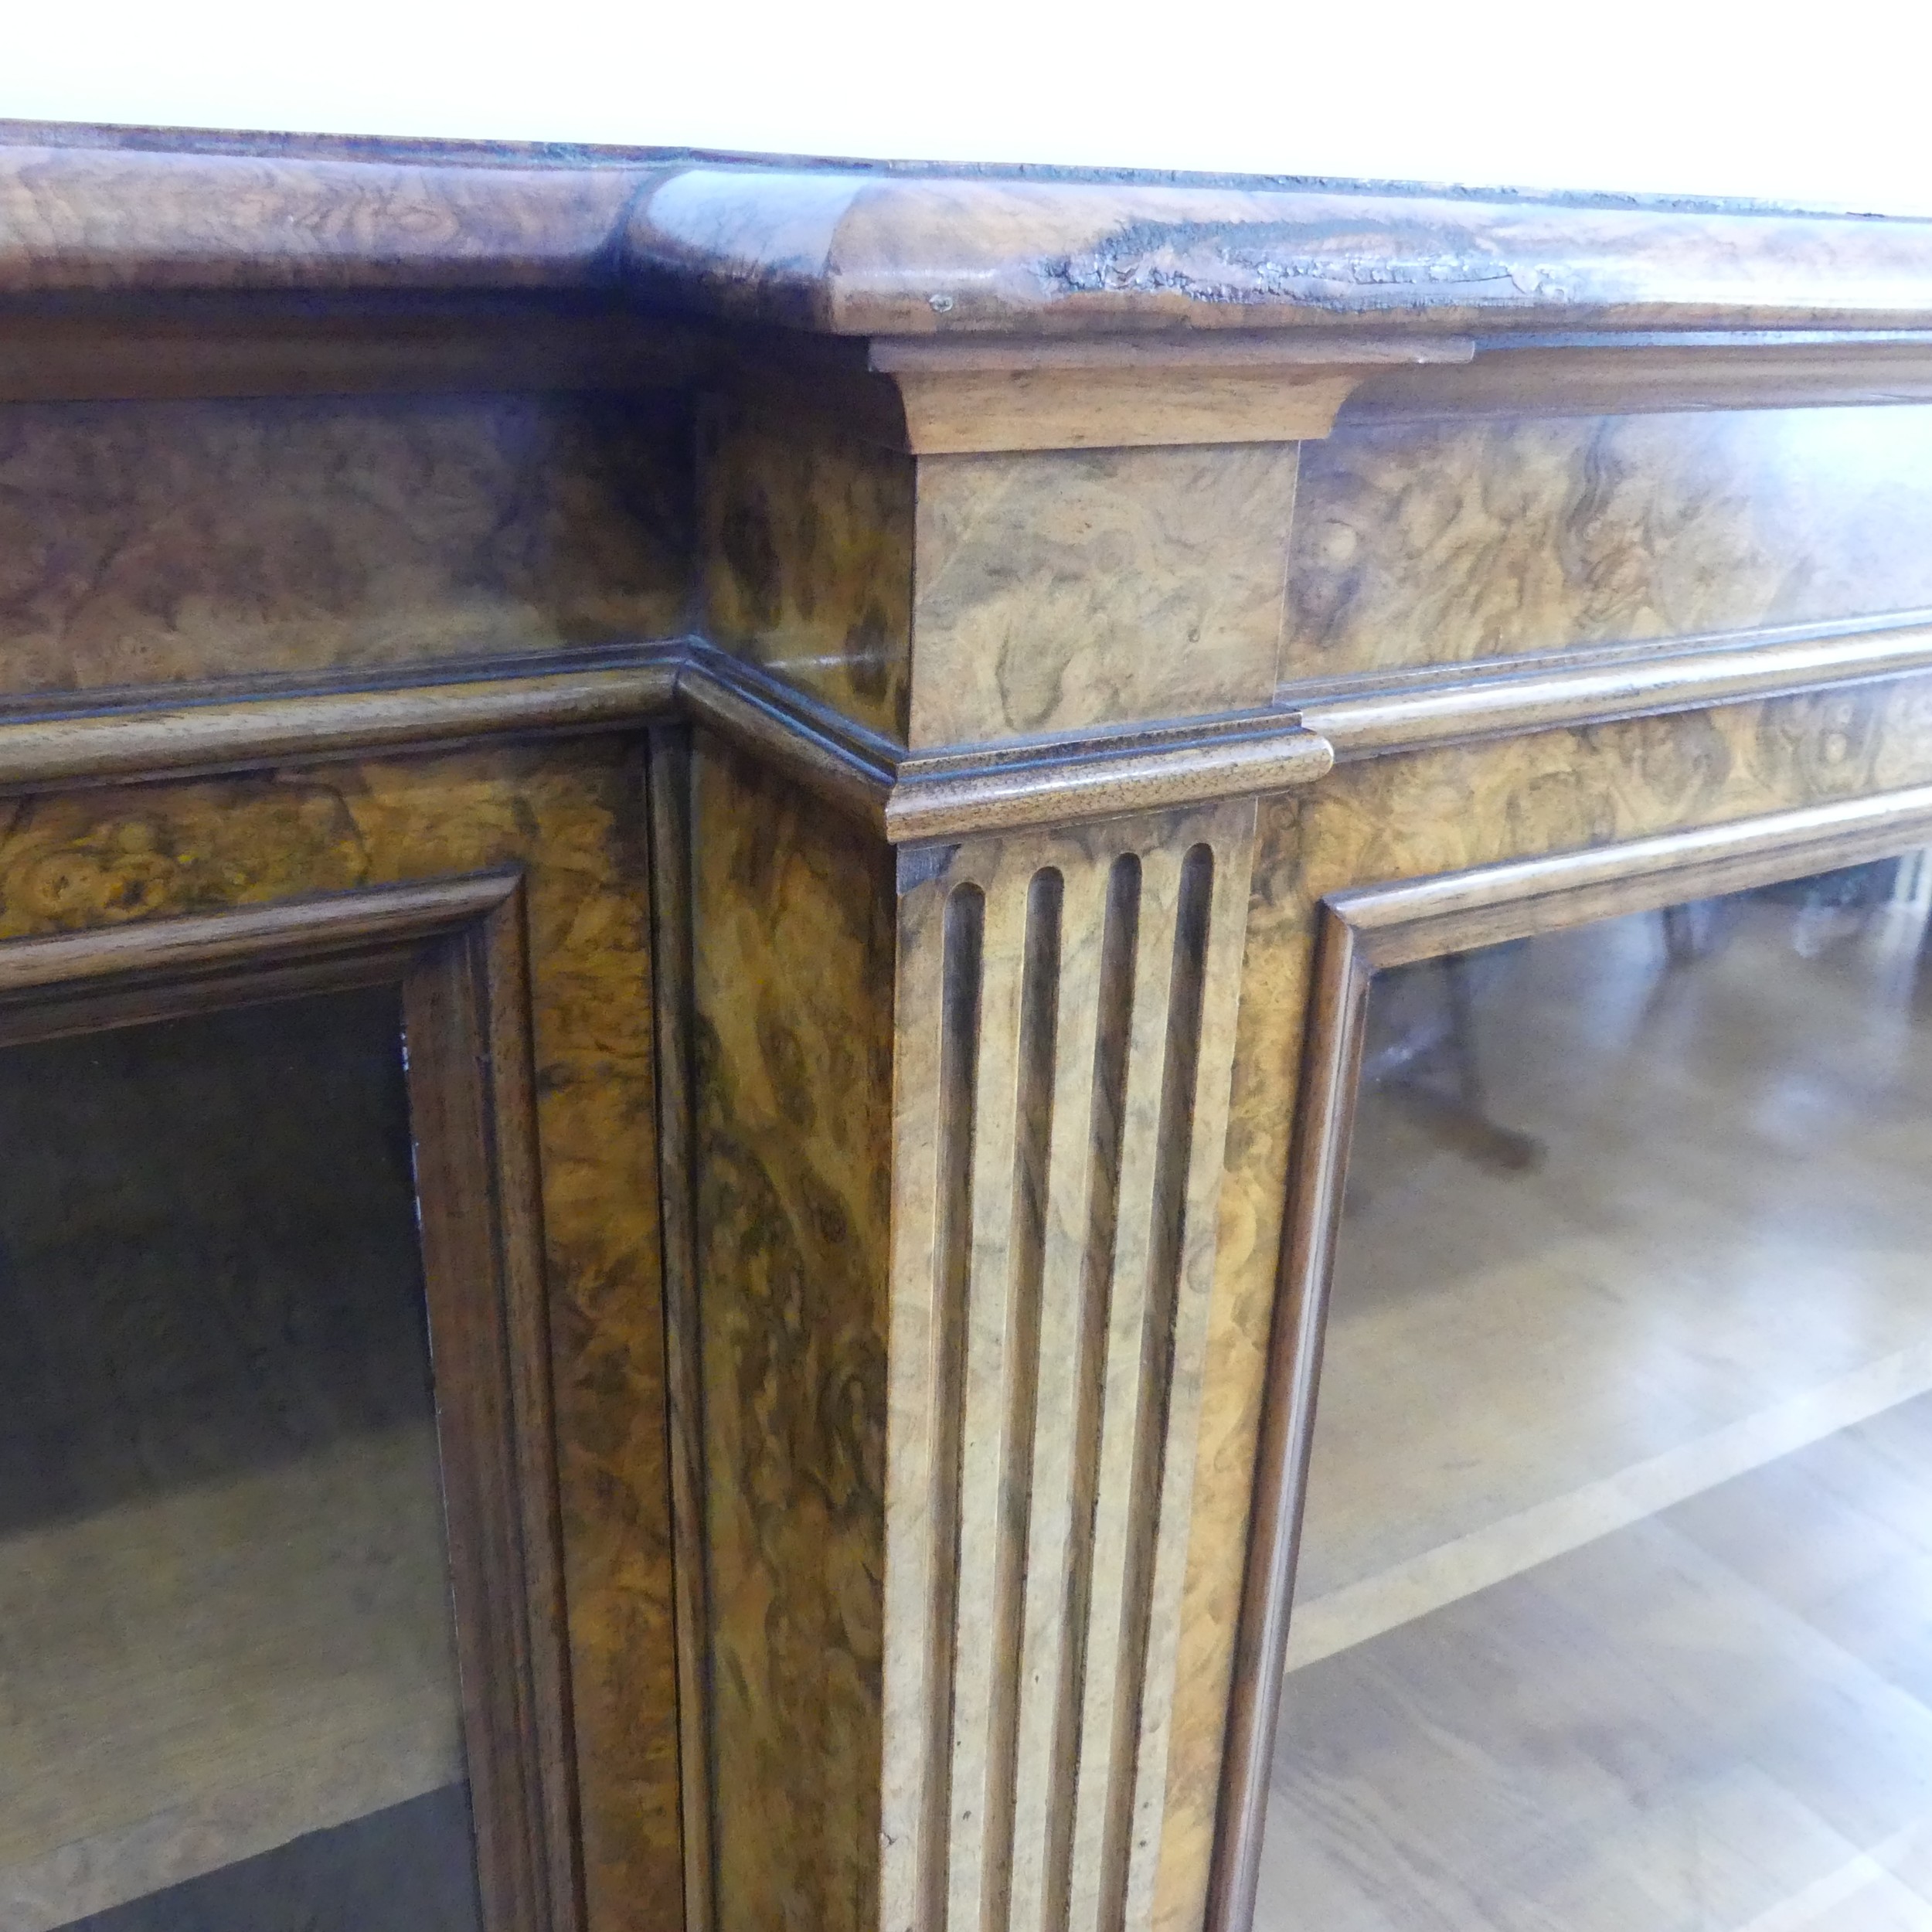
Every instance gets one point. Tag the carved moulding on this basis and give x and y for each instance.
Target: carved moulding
(909, 798)
(1065, 1045)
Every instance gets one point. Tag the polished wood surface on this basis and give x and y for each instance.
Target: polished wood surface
(919, 250)
(913, 253)
(1024, 624)
(1438, 811)
(124, 216)
(808, 561)
(986, 527)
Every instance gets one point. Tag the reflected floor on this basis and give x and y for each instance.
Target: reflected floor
(225, 1617)
(1617, 1556)
(1721, 1716)
(408, 1869)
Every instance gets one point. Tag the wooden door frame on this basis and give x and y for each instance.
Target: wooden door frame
(456, 950)
(1359, 931)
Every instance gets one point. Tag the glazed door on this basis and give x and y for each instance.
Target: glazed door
(270, 1624)
(1612, 1602)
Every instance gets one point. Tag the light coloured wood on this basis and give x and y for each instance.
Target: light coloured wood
(792, 985)
(1019, 791)
(1027, 622)
(853, 252)
(1208, 353)
(960, 395)
(1430, 544)
(1041, 1506)
(1052, 409)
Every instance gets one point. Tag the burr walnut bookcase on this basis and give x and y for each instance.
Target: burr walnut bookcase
(897, 748)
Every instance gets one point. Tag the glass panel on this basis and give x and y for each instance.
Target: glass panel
(227, 1692)
(1614, 1606)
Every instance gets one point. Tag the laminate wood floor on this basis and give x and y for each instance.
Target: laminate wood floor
(1617, 1568)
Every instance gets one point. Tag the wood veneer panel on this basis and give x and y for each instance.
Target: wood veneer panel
(573, 822)
(792, 977)
(1439, 543)
(1409, 816)
(1078, 588)
(808, 538)
(150, 542)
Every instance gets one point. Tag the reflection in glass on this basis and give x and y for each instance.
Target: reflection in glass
(1614, 1602)
(227, 1691)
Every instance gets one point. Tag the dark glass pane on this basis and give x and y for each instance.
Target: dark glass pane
(227, 1691)
(1614, 1606)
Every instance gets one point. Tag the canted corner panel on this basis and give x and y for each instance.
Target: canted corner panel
(1066, 1043)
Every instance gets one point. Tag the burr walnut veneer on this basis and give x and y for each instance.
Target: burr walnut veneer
(891, 713)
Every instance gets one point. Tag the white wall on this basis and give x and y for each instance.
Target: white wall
(1827, 106)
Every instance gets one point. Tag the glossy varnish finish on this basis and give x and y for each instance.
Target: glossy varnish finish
(974, 1156)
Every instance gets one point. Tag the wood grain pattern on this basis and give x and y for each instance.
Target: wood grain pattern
(792, 981)
(927, 253)
(108, 217)
(1063, 591)
(917, 250)
(1408, 816)
(807, 545)
(573, 822)
(466, 1030)
(991, 409)
(1436, 543)
(960, 395)
(149, 543)
(1066, 1031)
(1060, 784)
